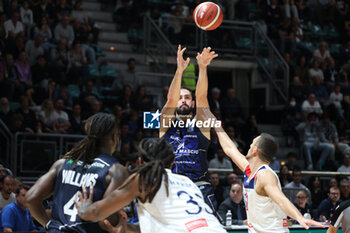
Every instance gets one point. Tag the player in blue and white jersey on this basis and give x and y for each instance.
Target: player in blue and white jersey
(190, 144)
(166, 202)
(88, 163)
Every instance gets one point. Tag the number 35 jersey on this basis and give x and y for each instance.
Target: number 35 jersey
(69, 182)
(184, 210)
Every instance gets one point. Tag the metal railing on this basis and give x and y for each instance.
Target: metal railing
(33, 154)
(235, 40)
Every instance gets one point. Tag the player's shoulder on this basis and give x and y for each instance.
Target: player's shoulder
(117, 170)
(266, 175)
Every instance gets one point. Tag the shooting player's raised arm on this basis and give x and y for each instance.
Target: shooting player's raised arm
(174, 89)
(203, 59)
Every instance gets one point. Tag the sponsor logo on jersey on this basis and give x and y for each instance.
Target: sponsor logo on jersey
(195, 224)
(181, 149)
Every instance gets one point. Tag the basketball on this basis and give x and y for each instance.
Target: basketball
(208, 16)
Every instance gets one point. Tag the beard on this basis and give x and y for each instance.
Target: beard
(184, 111)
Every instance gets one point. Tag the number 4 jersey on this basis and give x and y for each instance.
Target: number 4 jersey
(184, 210)
(69, 182)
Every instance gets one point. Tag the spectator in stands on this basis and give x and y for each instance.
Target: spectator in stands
(27, 17)
(41, 72)
(291, 160)
(322, 53)
(7, 196)
(61, 117)
(133, 122)
(302, 203)
(315, 70)
(127, 77)
(87, 96)
(302, 71)
(63, 10)
(44, 30)
(16, 217)
(125, 135)
(319, 90)
(78, 64)
(327, 207)
(214, 99)
(317, 194)
(14, 27)
(331, 136)
(284, 176)
(11, 81)
(336, 99)
(331, 74)
(217, 187)
(311, 105)
(63, 93)
(311, 136)
(273, 18)
(286, 37)
(299, 38)
(47, 117)
(142, 102)
(29, 117)
(298, 91)
(64, 30)
(34, 49)
(23, 69)
(230, 105)
(5, 111)
(161, 99)
(344, 186)
(236, 204)
(175, 25)
(240, 144)
(81, 34)
(296, 184)
(45, 91)
(126, 99)
(75, 120)
(95, 107)
(275, 164)
(220, 162)
(43, 9)
(60, 59)
(15, 48)
(333, 182)
(346, 164)
(16, 124)
(251, 129)
(11, 7)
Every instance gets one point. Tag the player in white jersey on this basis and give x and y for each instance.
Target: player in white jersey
(167, 202)
(266, 205)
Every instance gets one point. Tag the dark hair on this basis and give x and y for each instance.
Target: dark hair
(2, 179)
(296, 169)
(97, 128)
(268, 147)
(20, 187)
(158, 155)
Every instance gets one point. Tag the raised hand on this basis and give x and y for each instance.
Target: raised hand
(181, 62)
(205, 57)
(304, 222)
(84, 202)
